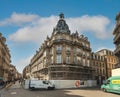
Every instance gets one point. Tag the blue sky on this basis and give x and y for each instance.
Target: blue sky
(26, 23)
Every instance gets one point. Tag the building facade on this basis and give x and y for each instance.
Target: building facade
(5, 58)
(27, 72)
(98, 63)
(12, 74)
(111, 60)
(116, 34)
(62, 56)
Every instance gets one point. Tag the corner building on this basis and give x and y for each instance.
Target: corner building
(63, 56)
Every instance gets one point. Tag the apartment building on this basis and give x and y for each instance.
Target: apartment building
(116, 40)
(98, 63)
(5, 58)
(62, 56)
(111, 60)
(12, 73)
(26, 72)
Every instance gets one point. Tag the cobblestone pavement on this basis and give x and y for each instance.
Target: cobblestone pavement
(17, 91)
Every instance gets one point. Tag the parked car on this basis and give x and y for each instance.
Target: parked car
(40, 84)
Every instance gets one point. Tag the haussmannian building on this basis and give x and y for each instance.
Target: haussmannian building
(62, 56)
(111, 60)
(116, 40)
(99, 64)
(27, 72)
(5, 58)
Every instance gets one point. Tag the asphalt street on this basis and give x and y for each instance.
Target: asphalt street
(16, 90)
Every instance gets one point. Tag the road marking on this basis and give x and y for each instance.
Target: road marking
(13, 93)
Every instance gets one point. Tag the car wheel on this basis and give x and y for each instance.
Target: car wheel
(49, 88)
(31, 88)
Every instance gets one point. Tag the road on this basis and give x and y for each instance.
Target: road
(17, 91)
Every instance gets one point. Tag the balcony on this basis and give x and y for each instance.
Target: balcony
(77, 43)
(61, 41)
(117, 37)
(79, 54)
(68, 52)
(58, 51)
(86, 48)
(88, 57)
(117, 50)
(84, 56)
(116, 28)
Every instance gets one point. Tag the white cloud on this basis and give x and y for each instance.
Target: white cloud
(19, 19)
(97, 25)
(35, 33)
(43, 26)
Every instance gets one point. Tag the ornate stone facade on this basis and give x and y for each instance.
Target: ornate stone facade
(5, 58)
(111, 60)
(98, 63)
(64, 55)
(116, 34)
(26, 72)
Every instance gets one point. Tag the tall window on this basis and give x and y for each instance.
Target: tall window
(79, 60)
(88, 54)
(51, 51)
(68, 59)
(83, 62)
(87, 45)
(74, 59)
(59, 47)
(78, 50)
(58, 59)
(88, 63)
(74, 49)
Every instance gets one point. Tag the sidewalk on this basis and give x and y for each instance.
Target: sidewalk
(10, 89)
